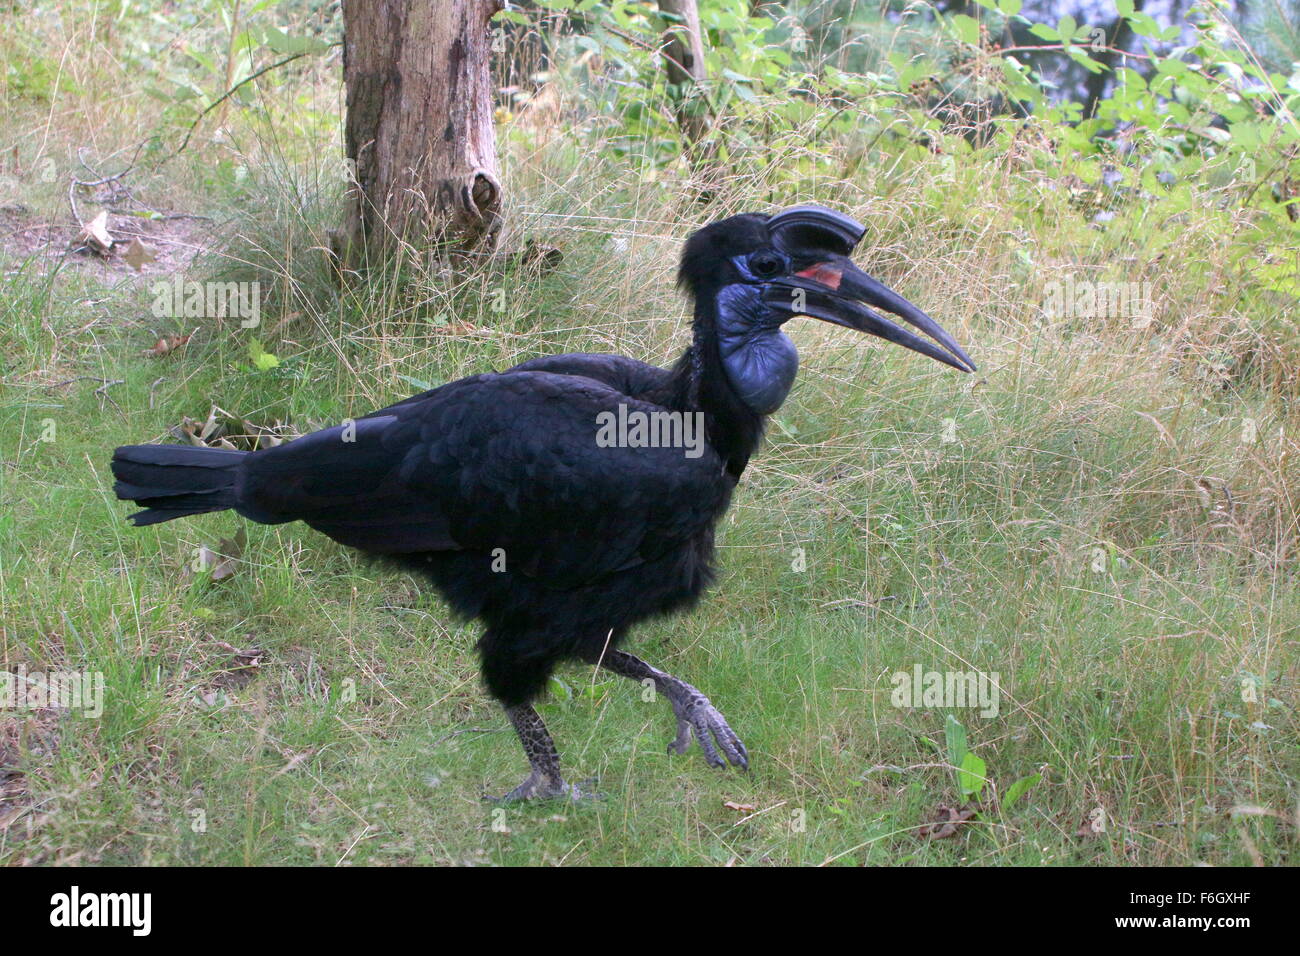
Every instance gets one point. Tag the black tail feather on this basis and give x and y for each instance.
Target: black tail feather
(171, 481)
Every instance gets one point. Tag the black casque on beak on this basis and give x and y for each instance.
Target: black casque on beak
(833, 289)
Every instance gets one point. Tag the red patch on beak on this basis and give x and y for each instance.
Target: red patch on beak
(823, 272)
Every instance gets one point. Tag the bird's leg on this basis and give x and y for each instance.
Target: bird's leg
(543, 758)
(695, 715)
(539, 748)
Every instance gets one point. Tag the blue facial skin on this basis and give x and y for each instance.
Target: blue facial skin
(760, 361)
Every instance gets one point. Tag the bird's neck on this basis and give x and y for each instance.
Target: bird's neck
(700, 382)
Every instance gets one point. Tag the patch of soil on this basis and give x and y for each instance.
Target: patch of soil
(170, 244)
(233, 673)
(26, 735)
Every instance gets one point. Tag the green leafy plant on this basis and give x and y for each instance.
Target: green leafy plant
(262, 360)
(970, 769)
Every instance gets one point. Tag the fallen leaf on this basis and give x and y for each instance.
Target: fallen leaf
(224, 429)
(222, 562)
(210, 426)
(167, 344)
(9, 816)
(739, 807)
(1094, 824)
(244, 659)
(95, 233)
(230, 550)
(945, 823)
(137, 254)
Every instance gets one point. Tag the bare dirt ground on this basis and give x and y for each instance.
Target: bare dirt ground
(141, 244)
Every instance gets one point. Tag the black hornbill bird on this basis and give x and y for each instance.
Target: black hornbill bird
(499, 489)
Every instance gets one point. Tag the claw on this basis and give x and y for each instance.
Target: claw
(696, 717)
(699, 718)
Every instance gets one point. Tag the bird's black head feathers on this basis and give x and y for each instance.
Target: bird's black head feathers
(717, 254)
(709, 251)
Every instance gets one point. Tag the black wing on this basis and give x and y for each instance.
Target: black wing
(507, 460)
(619, 372)
(623, 374)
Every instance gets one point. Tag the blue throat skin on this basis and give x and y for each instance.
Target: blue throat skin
(759, 359)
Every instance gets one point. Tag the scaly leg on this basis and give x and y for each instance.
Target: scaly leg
(539, 748)
(695, 715)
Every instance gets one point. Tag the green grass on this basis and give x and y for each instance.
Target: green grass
(1097, 532)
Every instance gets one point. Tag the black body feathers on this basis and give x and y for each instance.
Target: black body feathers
(496, 488)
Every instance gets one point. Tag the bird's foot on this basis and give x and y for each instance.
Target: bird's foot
(538, 786)
(698, 718)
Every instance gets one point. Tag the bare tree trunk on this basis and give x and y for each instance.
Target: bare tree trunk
(684, 62)
(419, 126)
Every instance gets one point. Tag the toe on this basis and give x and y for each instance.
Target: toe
(706, 744)
(730, 745)
(682, 741)
(737, 754)
(535, 787)
(698, 719)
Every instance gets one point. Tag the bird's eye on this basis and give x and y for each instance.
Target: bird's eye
(766, 265)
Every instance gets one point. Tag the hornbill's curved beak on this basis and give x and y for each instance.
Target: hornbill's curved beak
(833, 289)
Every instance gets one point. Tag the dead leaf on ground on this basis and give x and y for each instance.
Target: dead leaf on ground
(739, 807)
(137, 254)
(222, 562)
(1094, 824)
(223, 429)
(96, 235)
(458, 328)
(167, 344)
(946, 821)
(215, 699)
(230, 549)
(9, 816)
(252, 657)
